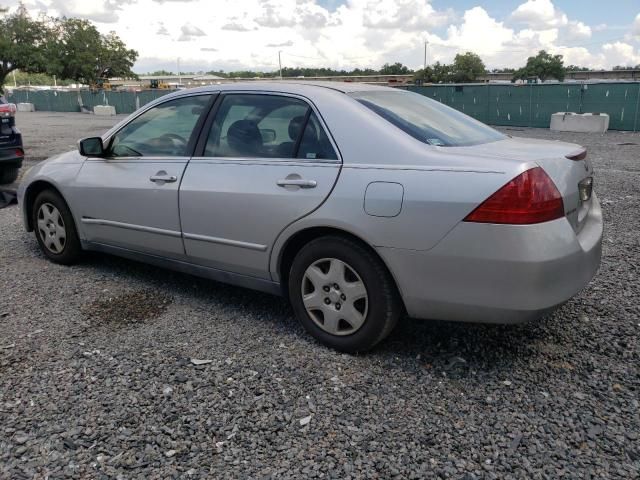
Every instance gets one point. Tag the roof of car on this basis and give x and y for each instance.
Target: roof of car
(290, 86)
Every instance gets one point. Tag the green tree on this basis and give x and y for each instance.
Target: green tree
(576, 68)
(467, 67)
(395, 69)
(436, 73)
(82, 54)
(543, 66)
(23, 43)
(114, 58)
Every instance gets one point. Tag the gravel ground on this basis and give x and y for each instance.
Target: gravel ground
(99, 377)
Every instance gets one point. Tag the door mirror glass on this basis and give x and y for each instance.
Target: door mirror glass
(91, 147)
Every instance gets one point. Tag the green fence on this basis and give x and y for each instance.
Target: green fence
(57, 101)
(532, 105)
(509, 105)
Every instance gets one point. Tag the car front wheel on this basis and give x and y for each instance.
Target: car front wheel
(55, 229)
(342, 294)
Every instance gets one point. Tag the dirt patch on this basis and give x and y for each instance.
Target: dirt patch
(127, 308)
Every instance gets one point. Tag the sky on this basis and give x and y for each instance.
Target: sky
(206, 35)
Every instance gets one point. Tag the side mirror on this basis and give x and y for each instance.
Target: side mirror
(91, 147)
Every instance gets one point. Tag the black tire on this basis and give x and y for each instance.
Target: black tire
(383, 305)
(8, 175)
(71, 250)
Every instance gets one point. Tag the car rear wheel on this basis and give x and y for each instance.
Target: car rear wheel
(8, 175)
(54, 228)
(342, 294)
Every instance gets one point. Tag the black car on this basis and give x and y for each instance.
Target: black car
(11, 151)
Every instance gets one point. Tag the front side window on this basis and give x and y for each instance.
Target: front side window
(162, 131)
(427, 120)
(266, 126)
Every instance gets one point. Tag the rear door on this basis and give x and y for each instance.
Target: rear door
(130, 198)
(265, 160)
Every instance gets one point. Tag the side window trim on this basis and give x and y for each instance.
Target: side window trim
(296, 149)
(198, 153)
(195, 133)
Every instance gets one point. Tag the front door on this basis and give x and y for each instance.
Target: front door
(129, 199)
(267, 161)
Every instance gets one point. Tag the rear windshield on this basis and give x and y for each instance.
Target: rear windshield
(429, 121)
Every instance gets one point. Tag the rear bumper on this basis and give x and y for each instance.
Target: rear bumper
(498, 273)
(8, 157)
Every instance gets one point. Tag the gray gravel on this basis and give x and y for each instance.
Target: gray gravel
(98, 378)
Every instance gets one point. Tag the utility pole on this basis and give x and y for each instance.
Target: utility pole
(55, 83)
(425, 58)
(179, 76)
(280, 63)
(15, 85)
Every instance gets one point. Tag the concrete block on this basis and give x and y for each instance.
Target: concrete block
(579, 122)
(26, 107)
(104, 110)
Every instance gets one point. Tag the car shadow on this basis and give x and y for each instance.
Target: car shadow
(452, 348)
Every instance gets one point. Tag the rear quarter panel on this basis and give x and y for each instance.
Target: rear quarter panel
(435, 200)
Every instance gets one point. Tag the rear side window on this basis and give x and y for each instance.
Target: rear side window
(427, 120)
(314, 143)
(163, 130)
(266, 126)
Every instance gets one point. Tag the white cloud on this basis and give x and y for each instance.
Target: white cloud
(105, 11)
(404, 14)
(189, 32)
(235, 26)
(479, 32)
(247, 34)
(635, 28)
(621, 53)
(578, 31)
(539, 14)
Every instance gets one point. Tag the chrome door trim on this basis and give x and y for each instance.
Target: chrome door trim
(130, 226)
(149, 159)
(225, 241)
(218, 275)
(302, 162)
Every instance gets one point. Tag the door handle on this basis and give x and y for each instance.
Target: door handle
(297, 182)
(163, 177)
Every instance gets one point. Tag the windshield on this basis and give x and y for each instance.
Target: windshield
(429, 121)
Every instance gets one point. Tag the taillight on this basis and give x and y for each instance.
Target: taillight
(7, 109)
(531, 197)
(19, 152)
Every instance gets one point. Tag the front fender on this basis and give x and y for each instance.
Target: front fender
(52, 173)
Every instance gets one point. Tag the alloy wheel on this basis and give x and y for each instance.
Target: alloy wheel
(335, 296)
(51, 228)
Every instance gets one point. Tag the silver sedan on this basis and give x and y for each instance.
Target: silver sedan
(359, 204)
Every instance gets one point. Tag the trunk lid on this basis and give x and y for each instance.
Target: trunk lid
(568, 175)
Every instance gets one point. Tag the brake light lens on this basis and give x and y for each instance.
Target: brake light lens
(7, 109)
(531, 197)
